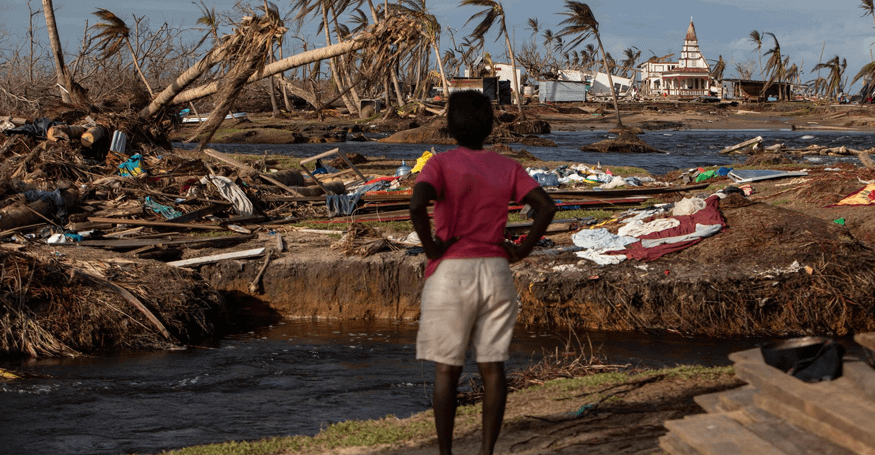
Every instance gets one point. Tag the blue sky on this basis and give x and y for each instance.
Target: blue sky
(803, 27)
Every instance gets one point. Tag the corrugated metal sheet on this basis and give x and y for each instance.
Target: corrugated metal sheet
(561, 91)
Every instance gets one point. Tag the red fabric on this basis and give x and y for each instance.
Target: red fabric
(710, 215)
(474, 189)
(380, 179)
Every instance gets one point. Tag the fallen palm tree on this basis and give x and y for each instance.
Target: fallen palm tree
(382, 42)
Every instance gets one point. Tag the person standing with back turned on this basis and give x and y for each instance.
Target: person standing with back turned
(469, 297)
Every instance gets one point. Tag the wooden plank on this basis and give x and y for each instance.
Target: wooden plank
(244, 254)
(625, 192)
(199, 213)
(319, 156)
(716, 434)
(98, 219)
(867, 340)
(831, 409)
(732, 148)
(144, 241)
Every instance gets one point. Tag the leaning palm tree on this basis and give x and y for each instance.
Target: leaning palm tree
(112, 34)
(495, 12)
(757, 38)
(582, 24)
(774, 66)
(836, 68)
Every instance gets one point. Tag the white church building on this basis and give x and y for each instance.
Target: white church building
(689, 77)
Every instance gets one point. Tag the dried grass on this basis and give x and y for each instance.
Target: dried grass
(48, 310)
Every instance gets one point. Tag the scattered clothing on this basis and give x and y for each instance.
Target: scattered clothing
(232, 193)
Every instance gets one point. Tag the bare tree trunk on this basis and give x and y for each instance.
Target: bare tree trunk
(444, 83)
(338, 80)
(281, 77)
(610, 80)
(167, 96)
(139, 70)
(274, 68)
(516, 86)
(71, 92)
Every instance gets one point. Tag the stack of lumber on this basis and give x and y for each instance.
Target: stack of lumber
(779, 414)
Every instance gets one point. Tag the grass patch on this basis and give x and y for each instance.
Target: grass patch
(388, 430)
(780, 202)
(420, 427)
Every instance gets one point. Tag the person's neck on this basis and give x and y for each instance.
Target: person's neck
(473, 148)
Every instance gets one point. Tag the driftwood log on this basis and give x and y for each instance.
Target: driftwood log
(65, 133)
(92, 135)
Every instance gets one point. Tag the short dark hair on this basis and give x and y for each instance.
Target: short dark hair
(469, 118)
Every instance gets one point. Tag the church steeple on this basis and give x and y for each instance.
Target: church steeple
(691, 32)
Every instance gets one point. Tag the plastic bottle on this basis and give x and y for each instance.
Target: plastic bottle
(402, 170)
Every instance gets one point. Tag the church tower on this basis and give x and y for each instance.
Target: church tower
(691, 57)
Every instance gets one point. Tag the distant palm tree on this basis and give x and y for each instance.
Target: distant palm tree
(582, 24)
(495, 12)
(592, 54)
(757, 38)
(631, 61)
(535, 27)
(719, 68)
(869, 8)
(775, 66)
(112, 34)
(836, 68)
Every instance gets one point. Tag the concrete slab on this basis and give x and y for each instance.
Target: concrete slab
(676, 446)
(862, 375)
(789, 437)
(717, 434)
(813, 425)
(710, 402)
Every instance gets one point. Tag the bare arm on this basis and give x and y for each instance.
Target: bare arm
(544, 208)
(423, 194)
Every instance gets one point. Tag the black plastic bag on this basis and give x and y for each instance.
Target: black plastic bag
(826, 365)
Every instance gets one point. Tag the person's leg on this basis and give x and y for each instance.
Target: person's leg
(446, 380)
(494, 400)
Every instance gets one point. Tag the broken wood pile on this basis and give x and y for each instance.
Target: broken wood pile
(755, 147)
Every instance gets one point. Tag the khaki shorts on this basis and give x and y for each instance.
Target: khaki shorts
(467, 302)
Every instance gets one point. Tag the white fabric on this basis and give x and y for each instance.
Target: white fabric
(232, 193)
(570, 178)
(615, 182)
(600, 239)
(637, 228)
(598, 256)
(688, 206)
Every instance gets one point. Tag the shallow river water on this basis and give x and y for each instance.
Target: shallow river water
(297, 376)
(683, 149)
(291, 378)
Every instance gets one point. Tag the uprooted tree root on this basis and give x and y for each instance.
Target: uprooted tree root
(48, 309)
(772, 272)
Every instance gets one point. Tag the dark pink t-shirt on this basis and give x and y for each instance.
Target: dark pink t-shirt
(474, 189)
